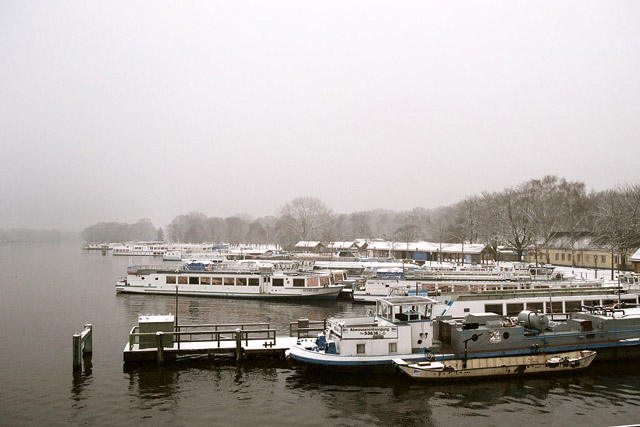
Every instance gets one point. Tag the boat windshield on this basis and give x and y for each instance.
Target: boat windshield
(404, 312)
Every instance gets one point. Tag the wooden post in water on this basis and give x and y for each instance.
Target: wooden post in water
(239, 344)
(88, 341)
(160, 349)
(82, 343)
(77, 352)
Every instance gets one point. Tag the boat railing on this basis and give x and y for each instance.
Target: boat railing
(303, 327)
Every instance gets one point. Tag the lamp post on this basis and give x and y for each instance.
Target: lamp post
(473, 337)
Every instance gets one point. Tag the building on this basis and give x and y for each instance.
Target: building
(635, 261)
(579, 251)
(310, 246)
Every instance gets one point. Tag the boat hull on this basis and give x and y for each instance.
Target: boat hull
(336, 362)
(330, 293)
(496, 367)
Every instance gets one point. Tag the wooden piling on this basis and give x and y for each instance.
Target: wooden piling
(82, 343)
(77, 352)
(88, 342)
(160, 349)
(239, 349)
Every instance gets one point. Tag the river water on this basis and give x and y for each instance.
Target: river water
(48, 291)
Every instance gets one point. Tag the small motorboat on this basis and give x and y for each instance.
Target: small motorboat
(496, 366)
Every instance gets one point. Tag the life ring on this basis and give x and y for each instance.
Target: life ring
(428, 355)
(535, 349)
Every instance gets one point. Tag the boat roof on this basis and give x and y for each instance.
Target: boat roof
(407, 300)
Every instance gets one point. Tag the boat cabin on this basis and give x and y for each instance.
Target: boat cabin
(404, 309)
(401, 325)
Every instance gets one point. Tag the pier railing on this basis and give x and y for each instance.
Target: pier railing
(216, 333)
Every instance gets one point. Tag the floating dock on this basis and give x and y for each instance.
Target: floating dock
(157, 339)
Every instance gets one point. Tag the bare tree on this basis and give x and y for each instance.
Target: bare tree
(618, 223)
(304, 218)
(544, 212)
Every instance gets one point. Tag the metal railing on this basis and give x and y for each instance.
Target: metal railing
(303, 327)
(216, 333)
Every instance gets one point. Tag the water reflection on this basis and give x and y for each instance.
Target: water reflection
(82, 378)
(557, 399)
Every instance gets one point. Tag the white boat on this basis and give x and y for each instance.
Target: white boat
(457, 369)
(401, 328)
(556, 303)
(245, 279)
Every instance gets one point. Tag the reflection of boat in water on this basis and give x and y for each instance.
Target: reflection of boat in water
(405, 328)
(246, 279)
(496, 366)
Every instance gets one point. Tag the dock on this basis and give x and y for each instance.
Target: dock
(157, 339)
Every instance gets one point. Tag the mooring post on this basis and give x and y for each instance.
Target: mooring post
(160, 345)
(77, 352)
(238, 344)
(88, 341)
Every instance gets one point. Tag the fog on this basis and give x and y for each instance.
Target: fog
(120, 110)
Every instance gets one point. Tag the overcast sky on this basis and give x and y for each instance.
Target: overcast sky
(121, 110)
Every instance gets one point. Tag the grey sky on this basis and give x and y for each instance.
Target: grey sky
(119, 110)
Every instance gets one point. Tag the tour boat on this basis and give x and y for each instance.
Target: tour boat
(242, 279)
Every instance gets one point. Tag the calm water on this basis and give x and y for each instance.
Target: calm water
(48, 292)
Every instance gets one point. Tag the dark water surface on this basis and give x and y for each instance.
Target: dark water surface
(48, 292)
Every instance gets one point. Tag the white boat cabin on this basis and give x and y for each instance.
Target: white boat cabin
(401, 325)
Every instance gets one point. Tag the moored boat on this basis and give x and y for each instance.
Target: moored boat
(401, 327)
(406, 328)
(496, 366)
(247, 279)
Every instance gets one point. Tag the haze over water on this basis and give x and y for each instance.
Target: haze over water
(48, 291)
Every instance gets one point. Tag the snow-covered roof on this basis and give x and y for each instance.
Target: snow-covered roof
(379, 245)
(467, 248)
(340, 245)
(636, 256)
(307, 244)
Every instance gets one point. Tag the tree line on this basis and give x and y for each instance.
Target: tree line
(526, 216)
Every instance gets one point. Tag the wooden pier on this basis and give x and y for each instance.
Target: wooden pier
(157, 339)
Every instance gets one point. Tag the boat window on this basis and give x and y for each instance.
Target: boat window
(228, 281)
(217, 281)
(324, 281)
(241, 281)
(493, 308)
(535, 306)
(254, 281)
(312, 281)
(205, 280)
(182, 280)
(393, 347)
(171, 280)
(514, 309)
(573, 306)
(554, 307)
(360, 348)
(278, 282)
(194, 280)
(298, 283)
